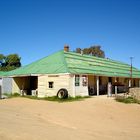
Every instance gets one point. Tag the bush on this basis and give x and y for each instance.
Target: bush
(10, 95)
(127, 100)
(53, 98)
(69, 99)
(15, 95)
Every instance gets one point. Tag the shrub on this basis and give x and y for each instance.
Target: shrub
(128, 99)
(15, 95)
(53, 98)
(69, 99)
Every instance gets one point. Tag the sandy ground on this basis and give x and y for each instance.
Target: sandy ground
(98, 118)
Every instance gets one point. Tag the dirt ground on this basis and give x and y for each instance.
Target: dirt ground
(97, 118)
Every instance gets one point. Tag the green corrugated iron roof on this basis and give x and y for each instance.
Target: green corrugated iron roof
(2, 73)
(71, 62)
(86, 64)
(52, 64)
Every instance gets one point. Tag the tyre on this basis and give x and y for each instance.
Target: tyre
(62, 93)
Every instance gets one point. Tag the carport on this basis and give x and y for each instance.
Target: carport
(27, 85)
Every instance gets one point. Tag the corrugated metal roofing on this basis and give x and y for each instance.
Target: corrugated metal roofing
(52, 64)
(2, 73)
(86, 64)
(71, 62)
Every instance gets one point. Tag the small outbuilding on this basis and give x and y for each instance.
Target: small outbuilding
(75, 74)
(0, 85)
(5, 84)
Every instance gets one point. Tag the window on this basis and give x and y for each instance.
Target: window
(110, 79)
(77, 80)
(84, 80)
(134, 83)
(51, 84)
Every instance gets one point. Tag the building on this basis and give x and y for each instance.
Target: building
(0, 85)
(74, 73)
(5, 84)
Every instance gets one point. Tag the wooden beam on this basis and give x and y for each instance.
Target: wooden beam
(116, 86)
(109, 89)
(97, 84)
(130, 83)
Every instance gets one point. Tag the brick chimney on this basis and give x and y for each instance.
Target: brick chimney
(66, 48)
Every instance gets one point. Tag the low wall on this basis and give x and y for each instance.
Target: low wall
(135, 92)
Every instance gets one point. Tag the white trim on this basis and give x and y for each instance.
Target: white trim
(73, 87)
(65, 74)
(116, 90)
(51, 74)
(109, 89)
(36, 75)
(17, 76)
(116, 87)
(130, 82)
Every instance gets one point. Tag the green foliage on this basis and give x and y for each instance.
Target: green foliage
(7, 95)
(53, 98)
(56, 99)
(127, 100)
(10, 95)
(93, 50)
(78, 50)
(16, 95)
(2, 59)
(69, 99)
(9, 62)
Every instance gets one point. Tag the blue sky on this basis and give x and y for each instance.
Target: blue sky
(37, 28)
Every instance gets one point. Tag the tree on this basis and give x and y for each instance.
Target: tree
(2, 58)
(2, 62)
(78, 50)
(9, 62)
(93, 50)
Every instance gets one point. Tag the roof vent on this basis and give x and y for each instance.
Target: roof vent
(66, 48)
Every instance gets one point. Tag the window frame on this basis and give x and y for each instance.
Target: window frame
(50, 84)
(77, 80)
(84, 80)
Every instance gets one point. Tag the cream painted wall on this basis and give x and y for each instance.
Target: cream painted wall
(60, 81)
(15, 88)
(81, 90)
(66, 81)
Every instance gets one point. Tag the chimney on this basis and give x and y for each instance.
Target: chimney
(66, 48)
